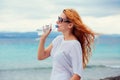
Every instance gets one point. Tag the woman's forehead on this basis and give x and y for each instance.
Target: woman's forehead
(62, 15)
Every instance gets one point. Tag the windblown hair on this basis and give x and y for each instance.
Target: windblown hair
(84, 34)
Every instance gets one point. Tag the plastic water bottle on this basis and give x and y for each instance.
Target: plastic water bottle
(45, 28)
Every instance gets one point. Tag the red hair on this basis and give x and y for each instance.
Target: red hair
(84, 35)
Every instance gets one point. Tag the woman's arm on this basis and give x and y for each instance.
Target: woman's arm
(42, 52)
(75, 77)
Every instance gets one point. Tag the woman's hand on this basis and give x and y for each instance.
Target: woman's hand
(75, 77)
(46, 31)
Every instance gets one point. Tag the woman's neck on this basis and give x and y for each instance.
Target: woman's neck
(69, 36)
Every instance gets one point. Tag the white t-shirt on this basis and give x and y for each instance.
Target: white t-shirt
(67, 58)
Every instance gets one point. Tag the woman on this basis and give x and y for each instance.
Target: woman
(70, 51)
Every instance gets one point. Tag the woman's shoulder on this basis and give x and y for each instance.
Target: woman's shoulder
(72, 42)
(59, 37)
(75, 44)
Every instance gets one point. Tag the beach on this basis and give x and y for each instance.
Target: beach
(18, 58)
(44, 74)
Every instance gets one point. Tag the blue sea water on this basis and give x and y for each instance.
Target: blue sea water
(18, 57)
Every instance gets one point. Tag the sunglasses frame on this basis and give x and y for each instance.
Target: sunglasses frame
(60, 19)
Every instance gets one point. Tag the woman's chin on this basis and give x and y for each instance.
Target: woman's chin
(58, 30)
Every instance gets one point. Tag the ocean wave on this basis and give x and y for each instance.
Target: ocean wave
(49, 67)
(25, 34)
(104, 66)
(18, 35)
(19, 69)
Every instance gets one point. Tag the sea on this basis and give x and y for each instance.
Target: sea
(18, 57)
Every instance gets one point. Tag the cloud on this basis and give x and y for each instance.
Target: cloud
(28, 15)
(31, 9)
(108, 24)
(12, 22)
(96, 8)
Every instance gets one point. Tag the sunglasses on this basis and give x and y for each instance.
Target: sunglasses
(60, 19)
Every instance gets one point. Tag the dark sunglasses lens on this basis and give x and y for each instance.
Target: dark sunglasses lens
(60, 19)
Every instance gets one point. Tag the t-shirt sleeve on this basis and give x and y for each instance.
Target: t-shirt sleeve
(76, 59)
(56, 40)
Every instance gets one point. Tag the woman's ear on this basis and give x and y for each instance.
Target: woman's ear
(70, 25)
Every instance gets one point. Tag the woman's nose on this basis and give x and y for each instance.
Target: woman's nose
(57, 22)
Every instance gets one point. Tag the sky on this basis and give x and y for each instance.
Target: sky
(102, 16)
